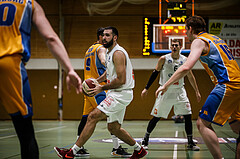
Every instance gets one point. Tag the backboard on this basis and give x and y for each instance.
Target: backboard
(163, 34)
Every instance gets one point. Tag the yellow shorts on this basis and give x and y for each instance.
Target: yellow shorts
(91, 103)
(222, 104)
(15, 93)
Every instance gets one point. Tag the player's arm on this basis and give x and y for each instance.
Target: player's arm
(102, 55)
(55, 46)
(193, 82)
(197, 48)
(102, 78)
(154, 75)
(119, 60)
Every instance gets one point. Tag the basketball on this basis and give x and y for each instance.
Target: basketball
(88, 84)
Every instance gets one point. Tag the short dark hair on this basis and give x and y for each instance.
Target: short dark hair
(177, 41)
(99, 32)
(114, 30)
(197, 23)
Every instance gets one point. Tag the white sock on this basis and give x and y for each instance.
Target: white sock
(75, 149)
(115, 142)
(137, 147)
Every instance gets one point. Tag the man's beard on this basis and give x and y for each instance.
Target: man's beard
(108, 44)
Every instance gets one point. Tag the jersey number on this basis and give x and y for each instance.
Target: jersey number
(227, 51)
(88, 63)
(7, 14)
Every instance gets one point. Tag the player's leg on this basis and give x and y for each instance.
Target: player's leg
(151, 125)
(25, 132)
(115, 128)
(82, 151)
(209, 136)
(188, 130)
(235, 125)
(16, 98)
(161, 109)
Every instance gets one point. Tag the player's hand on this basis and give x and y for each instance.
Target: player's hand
(144, 93)
(97, 89)
(161, 89)
(198, 95)
(73, 79)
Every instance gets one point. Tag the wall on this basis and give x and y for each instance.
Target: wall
(45, 96)
(79, 33)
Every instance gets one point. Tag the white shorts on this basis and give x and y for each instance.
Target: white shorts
(114, 105)
(176, 97)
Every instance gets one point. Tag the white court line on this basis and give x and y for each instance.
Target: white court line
(6, 129)
(175, 147)
(5, 137)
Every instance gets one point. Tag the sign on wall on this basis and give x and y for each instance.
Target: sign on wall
(228, 30)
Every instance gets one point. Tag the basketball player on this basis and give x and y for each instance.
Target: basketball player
(176, 95)
(223, 103)
(120, 82)
(94, 66)
(15, 96)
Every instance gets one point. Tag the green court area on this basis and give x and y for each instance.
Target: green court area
(168, 140)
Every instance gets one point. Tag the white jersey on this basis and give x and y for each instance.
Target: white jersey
(111, 71)
(169, 67)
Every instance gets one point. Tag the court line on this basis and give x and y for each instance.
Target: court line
(175, 147)
(43, 130)
(6, 129)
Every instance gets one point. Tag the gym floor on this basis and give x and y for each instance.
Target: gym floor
(168, 139)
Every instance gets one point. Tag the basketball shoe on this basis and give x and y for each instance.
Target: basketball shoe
(120, 152)
(64, 153)
(139, 154)
(192, 146)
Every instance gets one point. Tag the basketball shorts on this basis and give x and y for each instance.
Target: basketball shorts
(90, 103)
(222, 104)
(114, 105)
(15, 94)
(176, 97)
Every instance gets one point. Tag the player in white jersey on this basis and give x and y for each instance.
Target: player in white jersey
(120, 82)
(175, 96)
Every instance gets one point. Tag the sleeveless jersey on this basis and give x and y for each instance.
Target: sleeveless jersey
(15, 27)
(111, 72)
(169, 67)
(93, 68)
(218, 61)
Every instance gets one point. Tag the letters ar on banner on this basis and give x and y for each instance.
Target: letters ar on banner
(228, 30)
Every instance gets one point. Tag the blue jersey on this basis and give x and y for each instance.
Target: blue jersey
(218, 61)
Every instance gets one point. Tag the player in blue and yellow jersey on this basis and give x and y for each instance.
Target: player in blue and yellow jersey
(223, 103)
(16, 17)
(94, 67)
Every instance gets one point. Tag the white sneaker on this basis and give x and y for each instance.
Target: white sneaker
(193, 147)
(145, 147)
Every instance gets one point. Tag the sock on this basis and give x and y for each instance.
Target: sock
(115, 142)
(137, 147)
(75, 149)
(189, 138)
(147, 135)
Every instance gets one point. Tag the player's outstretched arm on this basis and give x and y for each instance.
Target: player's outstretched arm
(193, 82)
(55, 46)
